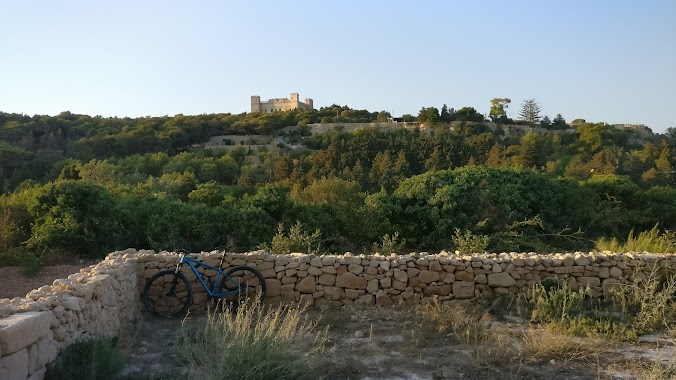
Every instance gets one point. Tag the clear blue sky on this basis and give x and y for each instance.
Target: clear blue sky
(612, 61)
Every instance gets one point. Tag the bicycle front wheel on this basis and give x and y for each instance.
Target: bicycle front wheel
(248, 286)
(167, 294)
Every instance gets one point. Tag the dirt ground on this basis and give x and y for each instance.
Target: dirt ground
(395, 343)
(13, 283)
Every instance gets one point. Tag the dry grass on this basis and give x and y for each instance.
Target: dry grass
(467, 324)
(254, 343)
(646, 369)
(539, 344)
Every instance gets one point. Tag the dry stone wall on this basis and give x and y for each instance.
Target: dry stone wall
(104, 298)
(98, 301)
(386, 280)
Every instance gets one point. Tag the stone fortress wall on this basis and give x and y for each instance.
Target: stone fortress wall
(105, 298)
(280, 104)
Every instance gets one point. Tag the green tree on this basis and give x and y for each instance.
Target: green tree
(428, 115)
(77, 217)
(530, 111)
(498, 106)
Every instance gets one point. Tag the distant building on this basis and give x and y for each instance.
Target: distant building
(630, 127)
(280, 104)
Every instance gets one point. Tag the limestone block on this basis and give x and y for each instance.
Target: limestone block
(71, 303)
(307, 285)
(386, 282)
(269, 273)
(400, 276)
(355, 268)
(352, 294)
(591, 282)
(315, 271)
(464, 276)
(501, 280)
(428, 276)
(372, 286)
(435, 265)
(437, 290)
(582, 260)
(14, 366)
(615, 272)
(273, 287)
(448, 278)
(32, 358)
(21, 330)
(463, 289)
(351, 281)
(604, 272)
(383, 299)
(411, 272)
(327, 279)
(398, 285)
(38, 375)
(385, 265)
(46, 351)
(328, 260)
(332, 293)
(481, 279)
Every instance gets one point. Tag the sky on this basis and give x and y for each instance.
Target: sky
(603, 61)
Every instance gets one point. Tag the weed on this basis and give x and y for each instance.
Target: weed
(646, 241)
(545, 343)
(390, 243)
(89, 359)
(254, 343)
(555, 303)
(296, 240)
(468, 242)
(466, 324)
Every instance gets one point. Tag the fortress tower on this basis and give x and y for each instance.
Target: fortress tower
(280, 104)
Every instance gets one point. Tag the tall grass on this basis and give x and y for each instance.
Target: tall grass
(90, 359)
(255, 343)
(465, 323)
(645, 305)
(647, 241)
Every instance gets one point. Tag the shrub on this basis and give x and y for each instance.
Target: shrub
(390, 243)
(468, 242)
(296, 240)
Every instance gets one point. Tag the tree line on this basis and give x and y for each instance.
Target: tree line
(88, 185)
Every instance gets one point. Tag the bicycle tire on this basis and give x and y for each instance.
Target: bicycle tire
(251, 285)
(169, 305)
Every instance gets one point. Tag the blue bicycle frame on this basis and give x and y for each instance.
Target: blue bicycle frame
(220, 274)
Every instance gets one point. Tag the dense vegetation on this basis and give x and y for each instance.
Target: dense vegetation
(87, 185)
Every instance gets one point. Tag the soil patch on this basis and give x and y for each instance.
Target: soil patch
(16, 284)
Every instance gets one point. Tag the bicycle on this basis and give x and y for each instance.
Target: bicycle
(169, 293)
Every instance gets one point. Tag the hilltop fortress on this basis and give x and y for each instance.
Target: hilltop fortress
(280, 104)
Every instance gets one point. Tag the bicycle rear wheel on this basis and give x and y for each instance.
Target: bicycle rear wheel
(167, 294)
(248, 285)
